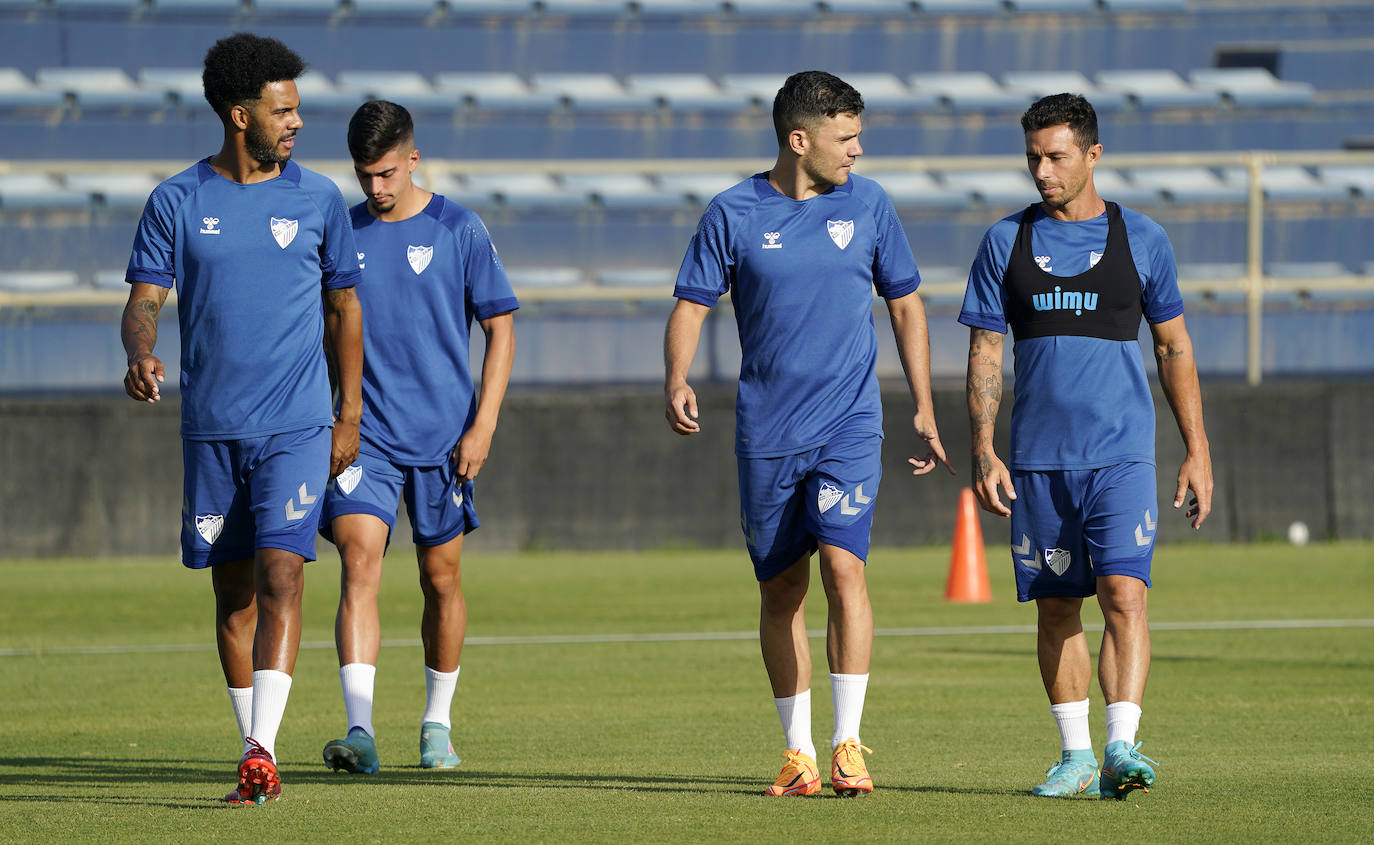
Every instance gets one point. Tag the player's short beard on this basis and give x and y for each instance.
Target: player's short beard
(261, 148)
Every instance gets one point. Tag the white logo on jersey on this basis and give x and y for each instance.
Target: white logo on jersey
(458, 498)
(348, 479)
(1058, 560)
(828, 495)
(210, 224)
(1043, 262)
(1093, 258)
(841, 231)
(361, 256)
(771, 240)
(419, 257)
(209, 526)
(284, 231)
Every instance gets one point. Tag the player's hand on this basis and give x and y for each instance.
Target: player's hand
(343, 450)
(471, 452)
(681, 409)
(924, 423)
(988, 474)
(142, 380)
(1195, 475)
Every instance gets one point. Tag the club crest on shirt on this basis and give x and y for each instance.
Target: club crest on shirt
(419, 257)
(1058, 560)
(284, 231)
(348, 480)
(841, 232)
(209, 526)
(827, 496)
(1093, 258)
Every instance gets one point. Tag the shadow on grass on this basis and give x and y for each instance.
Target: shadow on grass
(43, 778)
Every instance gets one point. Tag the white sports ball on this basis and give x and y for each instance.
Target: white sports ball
(1298, 533)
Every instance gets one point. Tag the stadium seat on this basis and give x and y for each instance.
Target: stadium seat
(1190, 184)
(960, 7)
(682, 92)
(311, 7)
(543, 278)
(1156, 89)
(656, 278)
(698, 188)
(622, 191)
(584, 8)
(1136, 6)
(184, 85)
(968, 91)
(889, 8)
(1305, 269)
(1287, 182)
(457, 190)
(496, 91)
(110, 280)
(113, 5)
(917, 189)
(405, 87)
(219, 6)
(1113, 185)
(1353, 177)
(1036, 84)
(1253, 87)
(886, 92)
(318, 92)
(38, 281)
(591, 91)
(394, 7)
(121, 189)
(99, 88)
(772, 8)
(994, 187)
(16, 91)
(525, 191)
(760, 87)
(1211, 272)
(676, 8)
(1053, 7)
(31, 190)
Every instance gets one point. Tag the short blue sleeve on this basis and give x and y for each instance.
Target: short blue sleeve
(894, 266)
(152, 260)
(338, 251)
(708, 265)
(489, 291)
(1154, 260)
(984, 298)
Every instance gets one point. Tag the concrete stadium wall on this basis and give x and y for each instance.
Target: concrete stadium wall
(600, 470)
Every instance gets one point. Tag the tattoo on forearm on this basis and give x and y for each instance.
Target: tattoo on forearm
(338, 298)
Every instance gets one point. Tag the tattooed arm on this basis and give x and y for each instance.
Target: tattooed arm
(138, 332)
(1178, 378)
(343, 320)
(984, 394)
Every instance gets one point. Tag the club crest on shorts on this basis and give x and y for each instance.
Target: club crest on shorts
(828, 496)
(841, 232)
(1058, 560)
(419, 257)
(284, 231)
(348, 480)
(209, 526)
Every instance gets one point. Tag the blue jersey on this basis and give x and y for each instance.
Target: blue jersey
(1082, 397)
(427, 277)
(248, 262)
(801, 276)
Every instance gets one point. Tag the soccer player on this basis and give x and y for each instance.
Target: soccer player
(1072, 276)
(801, 249)
(430, 268)
(252, 242)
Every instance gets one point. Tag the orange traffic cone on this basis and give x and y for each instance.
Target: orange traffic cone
(968, 568)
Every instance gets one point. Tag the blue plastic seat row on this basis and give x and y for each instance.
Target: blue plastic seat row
(969, 91)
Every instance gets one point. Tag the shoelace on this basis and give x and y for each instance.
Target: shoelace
(848, 752)
(1135, 752)
(255, 749)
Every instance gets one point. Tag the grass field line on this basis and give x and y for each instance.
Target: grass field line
(707, 636)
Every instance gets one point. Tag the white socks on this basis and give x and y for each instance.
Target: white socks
(1072, 718)
(358, 681)
(439, 687)
(795, 713)
(847, 692)
(270, 690)
(242, 699)
(1123, 720)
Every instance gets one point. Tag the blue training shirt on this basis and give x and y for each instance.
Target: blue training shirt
(1081, 402)
(248, 262)
(801, 275)
(427, 277)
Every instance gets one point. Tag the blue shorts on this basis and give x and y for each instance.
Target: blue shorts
(789, 505)
(440, 508)
(257, 493)
(1070, 526)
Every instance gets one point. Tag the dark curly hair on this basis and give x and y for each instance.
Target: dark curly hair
(377, 128)
(1062, 109)
(237, 68)
(808, 97)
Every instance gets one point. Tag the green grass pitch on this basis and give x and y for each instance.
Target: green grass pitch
(116, 727)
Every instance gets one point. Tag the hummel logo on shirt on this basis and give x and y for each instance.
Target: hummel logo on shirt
(361, 265)
(1043, 262)
(210, 224)
(772, 240)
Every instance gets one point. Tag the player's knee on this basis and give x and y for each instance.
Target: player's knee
(782, 595)
(440, 579)
(1057, 615)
